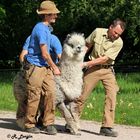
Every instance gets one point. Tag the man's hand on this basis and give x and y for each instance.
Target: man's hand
(84, 65)
(56, 71)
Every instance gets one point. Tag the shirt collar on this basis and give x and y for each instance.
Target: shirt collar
(106, 35)
(50, 28)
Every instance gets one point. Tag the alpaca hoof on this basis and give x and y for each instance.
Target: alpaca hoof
(78, 134)
(68, 129)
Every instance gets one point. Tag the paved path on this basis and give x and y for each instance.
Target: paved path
(90, 131)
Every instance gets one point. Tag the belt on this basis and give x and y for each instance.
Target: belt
(103, 66)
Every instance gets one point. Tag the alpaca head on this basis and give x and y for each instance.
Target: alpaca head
(74, 46)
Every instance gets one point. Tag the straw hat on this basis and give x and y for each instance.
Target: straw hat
(47, 7)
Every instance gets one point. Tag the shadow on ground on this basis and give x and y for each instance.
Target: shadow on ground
(90, 132)
(7, 123)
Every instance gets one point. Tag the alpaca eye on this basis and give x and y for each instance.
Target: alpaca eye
(71, 45)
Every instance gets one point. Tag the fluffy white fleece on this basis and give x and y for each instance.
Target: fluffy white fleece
(69, 83)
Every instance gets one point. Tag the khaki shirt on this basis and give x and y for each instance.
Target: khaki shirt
(102, 46)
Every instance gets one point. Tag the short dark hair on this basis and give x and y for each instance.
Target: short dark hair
(120, 22)
(42, 16)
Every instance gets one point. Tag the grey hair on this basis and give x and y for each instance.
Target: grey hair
(120, 22)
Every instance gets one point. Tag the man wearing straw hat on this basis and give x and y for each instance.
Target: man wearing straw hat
(19, 83)
(39, 69)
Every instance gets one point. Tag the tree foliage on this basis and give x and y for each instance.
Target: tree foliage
(17, 18)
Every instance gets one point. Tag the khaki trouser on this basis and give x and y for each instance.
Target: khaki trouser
(38, 79)
(91, 77)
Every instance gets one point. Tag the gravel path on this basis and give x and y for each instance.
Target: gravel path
(90, 131)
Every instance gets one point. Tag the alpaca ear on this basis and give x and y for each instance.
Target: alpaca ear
(82, 34)
(68, 35)
(67, 38)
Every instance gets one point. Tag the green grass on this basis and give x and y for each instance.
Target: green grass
(7, 100)
(128, 99)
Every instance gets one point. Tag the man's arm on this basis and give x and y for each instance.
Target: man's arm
(25, 49)
(98, 61)
(48, 58)
(88, 47)
(22, 55)
(59, 56)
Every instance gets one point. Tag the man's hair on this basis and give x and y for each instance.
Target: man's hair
(120, 22)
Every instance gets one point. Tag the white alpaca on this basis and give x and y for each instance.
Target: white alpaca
(69, 83)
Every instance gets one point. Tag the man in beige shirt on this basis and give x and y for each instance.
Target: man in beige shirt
(106, 44)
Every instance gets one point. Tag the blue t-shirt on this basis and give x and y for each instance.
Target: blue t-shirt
(40, 35)
(55, 48)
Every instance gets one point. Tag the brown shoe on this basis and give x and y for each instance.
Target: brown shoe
(106, 131)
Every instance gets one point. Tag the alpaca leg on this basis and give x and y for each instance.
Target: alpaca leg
(73, 110)
(69, 119)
